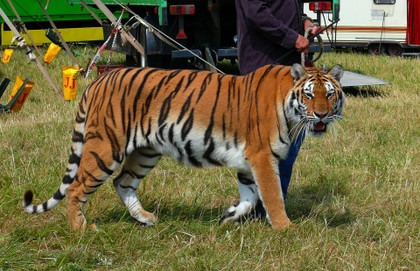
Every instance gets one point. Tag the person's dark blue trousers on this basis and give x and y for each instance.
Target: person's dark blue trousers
(285, 169)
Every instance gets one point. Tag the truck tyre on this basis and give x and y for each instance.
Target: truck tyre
(375, 50)
(395, 50)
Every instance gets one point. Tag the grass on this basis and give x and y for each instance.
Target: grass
(354, 193)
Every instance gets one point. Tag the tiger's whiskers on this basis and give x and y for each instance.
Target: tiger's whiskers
(297, 129)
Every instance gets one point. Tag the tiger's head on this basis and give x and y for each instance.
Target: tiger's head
(316, 99)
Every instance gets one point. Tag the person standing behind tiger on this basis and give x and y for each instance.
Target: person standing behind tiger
(267, 29)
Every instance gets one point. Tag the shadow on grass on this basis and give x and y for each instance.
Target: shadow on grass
(301, 205)
(316, 200)
(310, 201)
(362, 91)
(166, 211)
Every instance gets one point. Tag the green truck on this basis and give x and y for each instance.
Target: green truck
(74, 22)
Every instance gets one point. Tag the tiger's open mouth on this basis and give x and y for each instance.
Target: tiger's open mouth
(319, 127)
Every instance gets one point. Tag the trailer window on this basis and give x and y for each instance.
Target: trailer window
(384, 2)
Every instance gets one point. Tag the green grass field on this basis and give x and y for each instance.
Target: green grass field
(354, 195)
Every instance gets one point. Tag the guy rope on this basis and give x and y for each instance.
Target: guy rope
(22, 43)
(23, 26)
(73, 58)
(113, 20)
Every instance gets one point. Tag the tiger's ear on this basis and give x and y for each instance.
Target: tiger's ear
(337, 72)
(297, 71)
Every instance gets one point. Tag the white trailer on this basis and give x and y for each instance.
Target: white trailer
(382, 26)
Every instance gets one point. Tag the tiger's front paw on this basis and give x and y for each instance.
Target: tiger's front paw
(78, 222)
(283, 224)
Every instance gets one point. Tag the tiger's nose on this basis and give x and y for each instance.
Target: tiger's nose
(320, 115)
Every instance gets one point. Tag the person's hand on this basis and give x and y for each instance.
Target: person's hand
(314, 29)
(302, 44)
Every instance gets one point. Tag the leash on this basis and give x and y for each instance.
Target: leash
(320, 42)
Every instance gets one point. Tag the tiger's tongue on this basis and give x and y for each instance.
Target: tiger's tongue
(319, 126)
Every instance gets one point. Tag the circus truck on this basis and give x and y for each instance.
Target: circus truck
(181, 30)
(203, 28)
(381, 26)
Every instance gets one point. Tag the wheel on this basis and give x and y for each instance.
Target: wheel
(376, 49)
(395, 50)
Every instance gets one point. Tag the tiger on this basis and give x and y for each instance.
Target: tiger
(133, 116)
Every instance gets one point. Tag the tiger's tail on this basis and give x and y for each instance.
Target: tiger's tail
(72, 166)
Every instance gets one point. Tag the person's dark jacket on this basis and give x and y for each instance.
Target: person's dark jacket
(267, 29)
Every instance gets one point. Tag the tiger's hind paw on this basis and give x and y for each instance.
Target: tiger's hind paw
(286, 224)
(145, 219)
(227, 217)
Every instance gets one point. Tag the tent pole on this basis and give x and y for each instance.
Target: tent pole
(25, 30)
(91, 12)
(73, 58)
